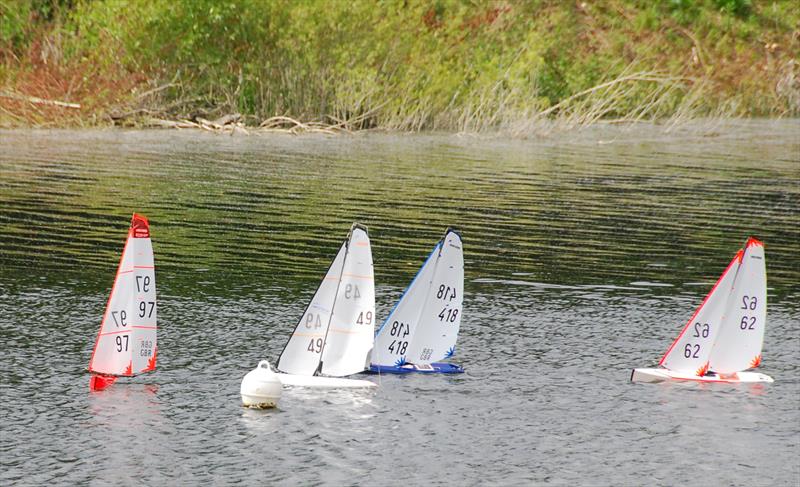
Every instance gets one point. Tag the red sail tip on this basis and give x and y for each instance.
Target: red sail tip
(755, 362)
(129, 370)
(140, 227)
(702, 370)
(100, 382)
(753, 242)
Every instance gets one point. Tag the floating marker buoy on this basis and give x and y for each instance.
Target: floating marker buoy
(261, 387)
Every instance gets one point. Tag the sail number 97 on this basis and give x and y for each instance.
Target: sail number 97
(143, 308)
(119, 318)
(119, 340)
(143, 284)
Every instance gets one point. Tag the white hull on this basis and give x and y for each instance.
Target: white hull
(662, 375)
(322, 382)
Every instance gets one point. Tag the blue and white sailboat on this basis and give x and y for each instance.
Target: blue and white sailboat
(422, 329)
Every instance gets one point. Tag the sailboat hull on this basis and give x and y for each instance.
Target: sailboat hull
(663, 375)
(434, 368)
(323, 382)
(101, 382)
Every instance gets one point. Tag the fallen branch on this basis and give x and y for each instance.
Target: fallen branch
(38, 101)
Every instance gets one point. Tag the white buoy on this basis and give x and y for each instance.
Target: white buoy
(261, 387)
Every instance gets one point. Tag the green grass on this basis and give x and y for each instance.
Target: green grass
(401, 64)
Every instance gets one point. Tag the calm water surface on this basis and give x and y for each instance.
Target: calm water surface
(585, 253)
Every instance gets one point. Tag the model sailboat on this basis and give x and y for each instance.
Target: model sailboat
(335, 334)
(126, 342)
(422, 329)
(724, 336)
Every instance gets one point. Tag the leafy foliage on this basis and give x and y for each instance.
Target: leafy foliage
(417, 64)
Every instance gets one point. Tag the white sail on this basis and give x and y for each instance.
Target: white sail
(437, 331)
(738, 344)
(397, 331)
(126, 342)
(689, 353)
(303, 351)
(352, 325)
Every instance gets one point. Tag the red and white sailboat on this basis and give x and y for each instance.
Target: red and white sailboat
(724, 336)
(126, 342)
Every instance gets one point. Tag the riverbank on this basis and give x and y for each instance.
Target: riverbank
(411, 65)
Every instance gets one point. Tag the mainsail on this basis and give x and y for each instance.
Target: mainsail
(691, 350)
(335, 334)
(738, 345)
(126, 342)
(423, 327)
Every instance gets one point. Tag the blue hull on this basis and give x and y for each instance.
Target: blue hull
(434, 368)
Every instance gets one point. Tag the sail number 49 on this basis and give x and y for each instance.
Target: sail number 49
(315, 346)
